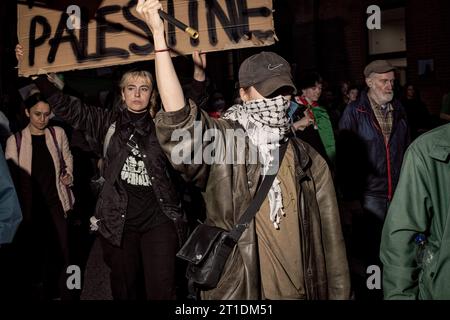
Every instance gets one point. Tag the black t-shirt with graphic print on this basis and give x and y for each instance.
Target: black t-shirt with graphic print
(143, 212)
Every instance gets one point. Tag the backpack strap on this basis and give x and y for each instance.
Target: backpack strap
(108, 136)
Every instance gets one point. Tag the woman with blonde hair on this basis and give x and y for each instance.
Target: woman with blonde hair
(138, 216)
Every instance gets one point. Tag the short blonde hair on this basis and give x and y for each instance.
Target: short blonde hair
(133, 74)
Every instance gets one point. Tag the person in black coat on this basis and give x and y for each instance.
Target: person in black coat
(419, 118)
(138, 214)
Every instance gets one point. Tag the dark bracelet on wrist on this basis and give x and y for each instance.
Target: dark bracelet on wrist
(162, 50)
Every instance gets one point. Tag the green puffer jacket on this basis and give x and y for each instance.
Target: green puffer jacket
(421, 204)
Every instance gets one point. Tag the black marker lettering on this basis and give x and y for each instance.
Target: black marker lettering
(243, 15)
(59, 38)
(193, 19)
(246, 13)
(33, 42)
(213, 9)
(234, 19)
(259, 12)
(134, 48)
(103, 27)
(172, 41)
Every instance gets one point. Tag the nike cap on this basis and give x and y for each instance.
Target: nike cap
(266, 72)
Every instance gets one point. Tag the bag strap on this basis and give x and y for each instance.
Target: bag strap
(55, 141)
(18, 136)
(62, 164)
(257, 201)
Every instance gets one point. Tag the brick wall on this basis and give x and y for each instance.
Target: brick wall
(428, 37)
(340, 49)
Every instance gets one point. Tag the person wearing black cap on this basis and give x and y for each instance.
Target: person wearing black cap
(293, 248)
(42, 169)
(373, 138)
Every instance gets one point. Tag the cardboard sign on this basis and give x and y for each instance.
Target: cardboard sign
(93, 34)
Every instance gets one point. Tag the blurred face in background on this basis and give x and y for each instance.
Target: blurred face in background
(39, 115)
(217, 102)
(353, 94)
(344, 88)
(410, 92)
(313, 93)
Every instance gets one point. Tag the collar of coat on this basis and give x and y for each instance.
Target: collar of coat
(364, 106)
(302, 100)
(441, 147)
(143, 126)
(302, 154)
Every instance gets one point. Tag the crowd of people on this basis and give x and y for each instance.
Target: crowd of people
(351, 191)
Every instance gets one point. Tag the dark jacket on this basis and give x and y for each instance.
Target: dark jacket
(10, 213)
(112, 202)
(369, 168)
(419, 118)
(228, 190)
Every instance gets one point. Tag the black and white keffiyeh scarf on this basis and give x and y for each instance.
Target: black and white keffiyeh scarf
(266, 123)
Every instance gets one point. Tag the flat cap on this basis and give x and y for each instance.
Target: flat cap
(378, 66)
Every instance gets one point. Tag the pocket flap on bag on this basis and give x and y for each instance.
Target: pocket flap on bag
(200, 243)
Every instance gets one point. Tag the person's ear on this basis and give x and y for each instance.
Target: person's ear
(27, 113)
(244, 95)
(369, 82)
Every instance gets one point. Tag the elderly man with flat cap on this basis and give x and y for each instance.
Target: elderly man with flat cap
(372, 140)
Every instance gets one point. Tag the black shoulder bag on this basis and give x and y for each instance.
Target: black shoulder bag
(208, 247)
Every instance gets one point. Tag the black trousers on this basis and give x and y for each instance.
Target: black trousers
(365, 246)
(39, 256)
(143, 267)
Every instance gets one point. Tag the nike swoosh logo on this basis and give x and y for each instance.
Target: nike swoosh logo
(270, 67)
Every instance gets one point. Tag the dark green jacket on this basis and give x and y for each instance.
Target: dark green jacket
(421, 204)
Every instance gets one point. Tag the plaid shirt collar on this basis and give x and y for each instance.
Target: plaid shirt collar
(384, 116)
(383, 108)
